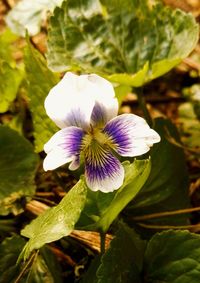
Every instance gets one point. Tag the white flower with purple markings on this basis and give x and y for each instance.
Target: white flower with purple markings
(85, 108)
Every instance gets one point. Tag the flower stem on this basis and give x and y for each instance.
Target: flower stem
(142, 104)
(103, 242)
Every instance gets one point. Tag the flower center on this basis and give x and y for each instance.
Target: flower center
(94, 143)
(95, 146)
(94, 137)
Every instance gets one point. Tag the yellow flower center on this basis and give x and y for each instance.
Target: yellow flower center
(95, 145)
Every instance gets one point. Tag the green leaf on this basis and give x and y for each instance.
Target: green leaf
(123, 261)
(127, 42)
(18, 165)
(56, 222)
(29, 15)
(10, 79)
(121, 91)
(102, 209)
(40, 80)
(173, 256)
(167, 186)
(9, 252)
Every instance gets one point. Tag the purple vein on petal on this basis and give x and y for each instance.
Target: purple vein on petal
(116, 130)
(130, 135)
(104, 172)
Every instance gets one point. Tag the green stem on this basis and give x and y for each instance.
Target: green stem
(142, 104)
(103, 242)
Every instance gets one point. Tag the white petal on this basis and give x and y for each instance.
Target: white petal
(71, 101)
(63, 147)
(54, 159)
(131, 135)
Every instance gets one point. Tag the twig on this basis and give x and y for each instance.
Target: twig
(165, 213)
(63, 256)
(166, 227)
(36, 207)
(50, 194)
(91, 239)
(192, 64)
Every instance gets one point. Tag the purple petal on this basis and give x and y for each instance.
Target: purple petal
(103, 171)
(63, 147)
(130, 135)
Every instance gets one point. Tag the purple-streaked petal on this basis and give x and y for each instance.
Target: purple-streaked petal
(102, 113)
(63, 147)
(106, 105)
(103, 170)
(130, 135)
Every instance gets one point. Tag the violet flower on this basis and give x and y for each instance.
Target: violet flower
(85, 108)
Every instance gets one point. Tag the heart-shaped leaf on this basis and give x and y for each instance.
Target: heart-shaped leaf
(173, 256)
(125, 41)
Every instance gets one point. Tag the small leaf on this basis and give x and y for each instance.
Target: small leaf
(123, 260)
(10, 79)
(29, 15)
(173, 256)
(18, 165)
(130, 45)
(56, 222)
(40, 80)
